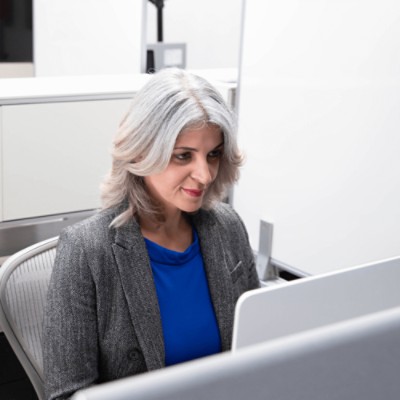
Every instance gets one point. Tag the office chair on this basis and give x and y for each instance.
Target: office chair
(24, 279)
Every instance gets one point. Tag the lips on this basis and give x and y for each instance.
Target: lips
(193, 192)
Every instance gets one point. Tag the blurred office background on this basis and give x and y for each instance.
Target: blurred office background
(210, 29)
(315, 85)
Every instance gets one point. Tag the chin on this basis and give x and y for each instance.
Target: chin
(192, 208)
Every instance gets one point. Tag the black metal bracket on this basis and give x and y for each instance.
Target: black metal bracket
(159, 5)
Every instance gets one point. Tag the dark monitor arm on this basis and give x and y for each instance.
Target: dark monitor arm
(159, 5)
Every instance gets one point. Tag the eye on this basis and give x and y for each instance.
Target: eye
(183, 156)
(217, 153)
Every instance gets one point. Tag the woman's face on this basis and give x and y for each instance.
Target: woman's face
(193, 167)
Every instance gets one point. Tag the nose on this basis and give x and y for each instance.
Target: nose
(202, 172)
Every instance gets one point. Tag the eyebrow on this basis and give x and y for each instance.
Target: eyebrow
(193, 149)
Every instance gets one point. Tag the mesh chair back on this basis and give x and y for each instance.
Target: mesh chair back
(24, 280)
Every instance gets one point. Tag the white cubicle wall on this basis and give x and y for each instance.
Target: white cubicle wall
(75, 37)
(319, 121)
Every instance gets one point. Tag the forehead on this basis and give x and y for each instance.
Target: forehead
(201, 133)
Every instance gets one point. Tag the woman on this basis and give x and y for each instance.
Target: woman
(152, 280)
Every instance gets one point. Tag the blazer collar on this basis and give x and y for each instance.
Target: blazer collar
(137, 281)
(219, 279)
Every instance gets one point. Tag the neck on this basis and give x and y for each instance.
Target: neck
(170, 222)
(174, 232)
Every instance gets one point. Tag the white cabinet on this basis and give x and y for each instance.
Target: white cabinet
(54, 155)
(1, 164)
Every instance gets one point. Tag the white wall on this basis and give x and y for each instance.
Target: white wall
(210, 28)
(80, 37)
(74, 37)
(319, 121)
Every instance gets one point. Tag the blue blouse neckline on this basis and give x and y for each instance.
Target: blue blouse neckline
(166, 256)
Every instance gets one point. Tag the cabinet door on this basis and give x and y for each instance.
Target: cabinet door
(55, 155)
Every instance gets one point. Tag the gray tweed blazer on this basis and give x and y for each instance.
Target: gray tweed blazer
(102, 320)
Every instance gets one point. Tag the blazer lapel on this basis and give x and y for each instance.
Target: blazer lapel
(137, 282)
(219, 280)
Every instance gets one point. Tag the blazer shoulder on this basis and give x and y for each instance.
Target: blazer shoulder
(226, 218)
(95, 229)
(224, 214)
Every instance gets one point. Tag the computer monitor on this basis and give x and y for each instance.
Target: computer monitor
(312, 302)
(353, 359)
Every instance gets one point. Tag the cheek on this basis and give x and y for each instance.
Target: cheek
(165, 182)
(156, 184)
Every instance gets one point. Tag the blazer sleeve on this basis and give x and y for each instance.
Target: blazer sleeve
(70, 350)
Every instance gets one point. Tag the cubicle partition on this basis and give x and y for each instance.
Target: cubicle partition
(318, 101)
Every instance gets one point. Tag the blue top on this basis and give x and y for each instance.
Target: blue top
(188, 319)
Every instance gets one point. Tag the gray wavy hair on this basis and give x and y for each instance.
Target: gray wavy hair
(173, 100)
